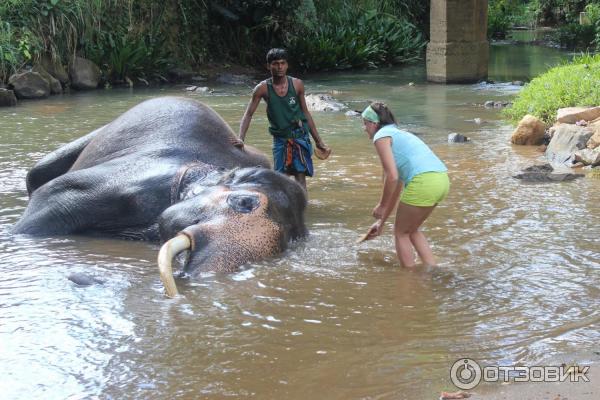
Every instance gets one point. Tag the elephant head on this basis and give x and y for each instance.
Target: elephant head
(248, 215)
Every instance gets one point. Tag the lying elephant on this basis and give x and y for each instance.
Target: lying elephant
(165, 170)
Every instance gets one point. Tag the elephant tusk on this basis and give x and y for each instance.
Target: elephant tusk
(165, 258)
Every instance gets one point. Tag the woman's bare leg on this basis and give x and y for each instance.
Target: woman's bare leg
(408, 220)
(419, 241)
(404, 250)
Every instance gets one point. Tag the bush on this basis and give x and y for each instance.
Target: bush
(10, 56)
(504, 14)
(575, 36)
(570, 85)
(351, 37)
(130, 39)
(498, 21)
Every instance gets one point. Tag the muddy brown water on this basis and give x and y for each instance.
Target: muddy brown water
(518, 279)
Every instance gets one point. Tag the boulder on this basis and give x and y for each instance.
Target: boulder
(545, 173)
(530, 131)
(7, 98)
(496, 104)
(567, 139)
(199, 89)
(84, 74)
(457, 138)
(323, 102)
(587, 156)
(55, 86)
(594, 140)
(55, 68)
(29, 85)
(571, 115)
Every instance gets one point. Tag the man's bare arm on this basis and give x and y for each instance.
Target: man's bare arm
(299, 86)
(258, 93)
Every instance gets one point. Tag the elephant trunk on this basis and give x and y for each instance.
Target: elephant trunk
(166, 254)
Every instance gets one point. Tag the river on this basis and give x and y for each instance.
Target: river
(517, 282)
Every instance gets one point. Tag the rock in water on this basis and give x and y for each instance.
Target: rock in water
(457, 138)
(82, 279)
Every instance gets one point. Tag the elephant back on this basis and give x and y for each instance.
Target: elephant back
(167, 127)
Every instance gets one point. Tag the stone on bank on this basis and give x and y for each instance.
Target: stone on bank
(85, 75)
(7, 98)
(530, 131)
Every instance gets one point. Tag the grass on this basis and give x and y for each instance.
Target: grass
(573, 84)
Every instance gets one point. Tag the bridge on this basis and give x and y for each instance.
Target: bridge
(458, 50)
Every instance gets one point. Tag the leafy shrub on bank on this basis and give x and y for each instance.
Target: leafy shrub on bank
(351, 37)
(10, 56)
(573, 84)
(498, 20)
(143, 38)
(575, 36)
(118, 35)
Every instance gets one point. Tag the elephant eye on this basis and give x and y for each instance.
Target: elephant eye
(243, 203)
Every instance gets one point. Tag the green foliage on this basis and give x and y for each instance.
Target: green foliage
(504, 14)
(551, 12)
(351, 37)
(10, 57)
(593, 12)
(123, 37)
(142, 38)
(570, 85)
(575, 36)
(242, 31)
(523, 13)
(498, 20)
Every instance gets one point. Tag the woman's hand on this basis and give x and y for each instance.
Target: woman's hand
(378, 211)
(375, 229)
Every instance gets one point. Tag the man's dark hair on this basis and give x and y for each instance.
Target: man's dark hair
(276, 54)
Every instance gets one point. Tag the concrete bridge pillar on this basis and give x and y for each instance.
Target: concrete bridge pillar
(458, 51)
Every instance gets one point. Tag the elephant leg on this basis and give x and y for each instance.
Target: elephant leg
(56, 163)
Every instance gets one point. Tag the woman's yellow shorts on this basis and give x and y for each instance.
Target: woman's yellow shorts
(426, 189)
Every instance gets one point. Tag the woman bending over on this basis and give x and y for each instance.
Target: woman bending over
(412, 172)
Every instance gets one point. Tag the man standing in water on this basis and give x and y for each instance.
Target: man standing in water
(289, 119)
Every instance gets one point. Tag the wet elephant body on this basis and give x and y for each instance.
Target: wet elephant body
(163, 167)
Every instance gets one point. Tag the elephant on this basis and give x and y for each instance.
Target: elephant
(167, 171)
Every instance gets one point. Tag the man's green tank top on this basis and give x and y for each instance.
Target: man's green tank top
(284, 112)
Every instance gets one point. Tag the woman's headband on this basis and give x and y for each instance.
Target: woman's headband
(370, 115)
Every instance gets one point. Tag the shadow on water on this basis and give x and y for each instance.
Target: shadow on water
(517, 280)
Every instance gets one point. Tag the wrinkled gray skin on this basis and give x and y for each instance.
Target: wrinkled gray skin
(166, 166)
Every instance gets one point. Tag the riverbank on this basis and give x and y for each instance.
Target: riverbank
(213, 71)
